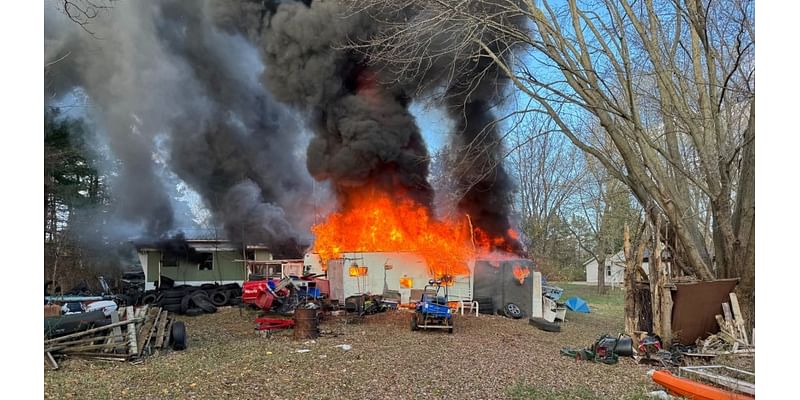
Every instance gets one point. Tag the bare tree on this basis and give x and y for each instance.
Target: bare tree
(670, 82)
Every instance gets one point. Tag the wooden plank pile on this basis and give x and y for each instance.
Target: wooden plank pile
(132, 334)
(732, 337)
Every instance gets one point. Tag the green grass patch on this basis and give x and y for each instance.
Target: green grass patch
(612, 301)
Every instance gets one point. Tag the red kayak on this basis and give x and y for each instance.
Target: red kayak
(690, 389)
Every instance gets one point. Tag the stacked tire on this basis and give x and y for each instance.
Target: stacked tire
(194, 300)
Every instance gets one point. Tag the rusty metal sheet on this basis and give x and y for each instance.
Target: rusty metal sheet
(694, 307)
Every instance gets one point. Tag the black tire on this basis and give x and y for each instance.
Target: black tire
(220, 298)
(235, 301)
(193, 312)
(165, 301)
(178, 336)
(186, 303)
(149, 298)
(545, 325)
(414, 326)
(172, 307)
(512, 310)
(206, 305)
(173, 293)
(207, 286)
(200, 292)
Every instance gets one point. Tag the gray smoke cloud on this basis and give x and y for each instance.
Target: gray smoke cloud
(160, 70)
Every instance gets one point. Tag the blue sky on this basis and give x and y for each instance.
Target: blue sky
(434, 124)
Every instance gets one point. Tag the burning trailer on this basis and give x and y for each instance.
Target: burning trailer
(505, 286)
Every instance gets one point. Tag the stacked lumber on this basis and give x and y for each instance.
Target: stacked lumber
(132, 334)
(732, 337)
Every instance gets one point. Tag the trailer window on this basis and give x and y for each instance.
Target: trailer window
(169, 260)
(207, 261)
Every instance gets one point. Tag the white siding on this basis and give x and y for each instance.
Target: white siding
(378, 277)
(617, 264)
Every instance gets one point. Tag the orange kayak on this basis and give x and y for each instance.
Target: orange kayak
(690, 389)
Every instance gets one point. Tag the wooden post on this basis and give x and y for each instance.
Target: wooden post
(739, 318)
(132, 349)
(666, 313)
(536, 305)
(51, 359)
(655, 281)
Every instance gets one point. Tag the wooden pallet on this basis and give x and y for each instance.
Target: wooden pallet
(132, 334)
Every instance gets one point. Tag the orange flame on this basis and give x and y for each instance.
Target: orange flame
(521, 273)
(373, 221)
(406, 282)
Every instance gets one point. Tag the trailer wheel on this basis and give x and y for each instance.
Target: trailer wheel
(414, 326)
(512, 310)
(450, 329)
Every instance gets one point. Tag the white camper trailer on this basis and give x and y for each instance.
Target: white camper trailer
(383, 272)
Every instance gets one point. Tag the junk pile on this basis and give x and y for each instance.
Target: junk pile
(368, 304)
(194, 300)
(82, 292)
(607, 350)
(111, 334)
(283, 296)
(732, 336)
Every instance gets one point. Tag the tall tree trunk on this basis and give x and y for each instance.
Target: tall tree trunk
(630, 284)
(655, 280)
(744, 216)
(601, 273)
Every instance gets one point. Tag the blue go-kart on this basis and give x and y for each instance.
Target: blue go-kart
(432, 311)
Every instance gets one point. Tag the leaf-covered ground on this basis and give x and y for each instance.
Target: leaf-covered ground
(488, 357)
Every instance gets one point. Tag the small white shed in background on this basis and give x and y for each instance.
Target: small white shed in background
(615, 269)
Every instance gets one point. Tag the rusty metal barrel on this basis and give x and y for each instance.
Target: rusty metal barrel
(306, 323)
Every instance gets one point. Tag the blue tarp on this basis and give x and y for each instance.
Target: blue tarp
(577, 304)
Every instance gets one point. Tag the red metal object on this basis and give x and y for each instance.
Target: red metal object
(264, 300)
(269, 324)
(251, 289)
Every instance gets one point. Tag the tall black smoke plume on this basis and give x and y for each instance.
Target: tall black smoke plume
(364, 132)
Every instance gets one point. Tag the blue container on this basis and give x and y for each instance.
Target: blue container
(271, 285)
(313, 292)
